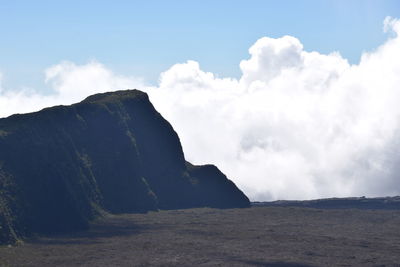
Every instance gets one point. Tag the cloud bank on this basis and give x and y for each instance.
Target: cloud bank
(69, 83)
(295, 125)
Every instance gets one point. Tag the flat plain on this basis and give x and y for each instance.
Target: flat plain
(257, 236)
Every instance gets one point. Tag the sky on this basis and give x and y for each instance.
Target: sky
(144, 38)
(291, 99)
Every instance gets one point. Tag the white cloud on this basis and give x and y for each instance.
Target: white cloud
(70, 83)
(391, 24)
(73, 82)
(296, 125)
(270, 56)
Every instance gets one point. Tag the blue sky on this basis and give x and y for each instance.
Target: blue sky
(144, 38)
(281, 121)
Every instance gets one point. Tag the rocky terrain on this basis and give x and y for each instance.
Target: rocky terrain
(112, 153)
(257, 236)
(386, 203)
(104, 182)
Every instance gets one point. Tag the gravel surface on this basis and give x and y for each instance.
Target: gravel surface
(257, 236)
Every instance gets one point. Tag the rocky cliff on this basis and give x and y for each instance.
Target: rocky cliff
(62, 166)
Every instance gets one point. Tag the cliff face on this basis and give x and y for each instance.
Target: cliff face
(62, 166)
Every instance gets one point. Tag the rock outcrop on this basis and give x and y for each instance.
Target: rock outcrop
(62, 166)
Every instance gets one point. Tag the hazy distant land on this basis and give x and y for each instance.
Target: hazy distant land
(386, 203)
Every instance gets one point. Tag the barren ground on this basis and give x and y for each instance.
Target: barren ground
(258, 236)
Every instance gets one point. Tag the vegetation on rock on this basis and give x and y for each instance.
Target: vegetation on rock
(62, 166)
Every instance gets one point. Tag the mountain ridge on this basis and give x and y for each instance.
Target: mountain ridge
(63, 166)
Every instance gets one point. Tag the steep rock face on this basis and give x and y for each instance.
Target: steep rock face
(62, 166)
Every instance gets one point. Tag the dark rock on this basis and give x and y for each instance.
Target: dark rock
(62, 166)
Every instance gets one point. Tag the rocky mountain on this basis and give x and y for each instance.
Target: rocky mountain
(63, 166)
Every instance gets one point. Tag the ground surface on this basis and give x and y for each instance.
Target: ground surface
(258, 236)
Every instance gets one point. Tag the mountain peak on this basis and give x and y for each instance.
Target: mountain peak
(116, 95)
(63, 166)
